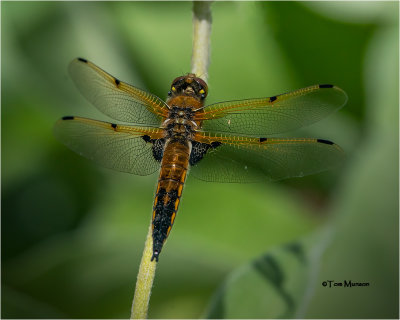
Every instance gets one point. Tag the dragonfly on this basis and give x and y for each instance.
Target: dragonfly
(227, 141)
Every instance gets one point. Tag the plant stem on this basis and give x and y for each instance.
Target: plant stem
(144, 280)
(200, 61)
(201, 38)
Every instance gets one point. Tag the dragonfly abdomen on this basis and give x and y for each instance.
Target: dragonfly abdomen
(172, 177)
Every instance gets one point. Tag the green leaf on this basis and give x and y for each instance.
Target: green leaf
(275, 285)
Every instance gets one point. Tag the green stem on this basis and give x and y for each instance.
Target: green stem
(144, 280)
(201, 38)
(200, 61)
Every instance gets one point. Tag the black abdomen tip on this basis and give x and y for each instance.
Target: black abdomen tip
(155, 256)
(68, 118)
(321, 86)
(83, 60)
(325, 141)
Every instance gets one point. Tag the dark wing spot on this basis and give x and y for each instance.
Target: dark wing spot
(117, 82)
(325, 141)
(158, 148)
(263, 139)
(113, 125)
(325, 86)
(215, 144)
(83, 60)
(272, 99)
(68, 118)
(146, 138)
(199, 150)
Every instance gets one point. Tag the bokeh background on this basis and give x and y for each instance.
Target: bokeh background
(72, 233)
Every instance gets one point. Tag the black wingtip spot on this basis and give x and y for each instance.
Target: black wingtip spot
(68, 118)
(325, 141)
(83, 60)
(272, 99)
(322, 86)
(263, 139)
(113, 125)
(117, 82)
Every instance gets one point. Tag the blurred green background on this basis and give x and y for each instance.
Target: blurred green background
(73, 233)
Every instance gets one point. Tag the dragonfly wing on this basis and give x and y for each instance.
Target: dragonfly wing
(266, 116)
(241, 159)
(122, 148)
(115, 98)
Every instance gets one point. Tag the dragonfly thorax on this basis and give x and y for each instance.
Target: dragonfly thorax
(179, 128)
(179, 112)
(180, 120)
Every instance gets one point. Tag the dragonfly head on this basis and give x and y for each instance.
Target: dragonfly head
(189, 85)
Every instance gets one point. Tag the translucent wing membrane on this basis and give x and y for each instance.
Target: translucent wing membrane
(118, 147)
(241, 159)
(265, 116)
(115, 98)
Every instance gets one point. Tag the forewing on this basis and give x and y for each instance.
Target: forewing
(241, 159)
(115, 98)
(118, 147)
(266, 116)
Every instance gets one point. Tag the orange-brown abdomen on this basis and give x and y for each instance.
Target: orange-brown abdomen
(173, 171)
